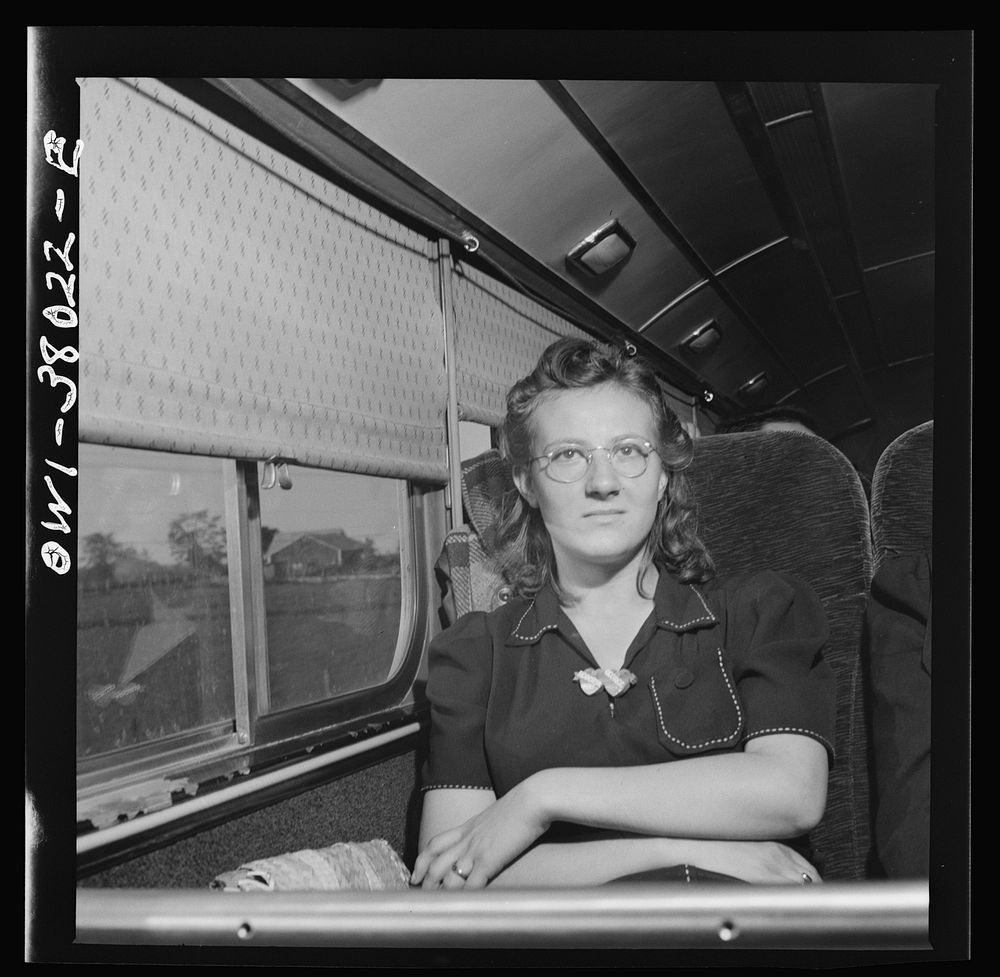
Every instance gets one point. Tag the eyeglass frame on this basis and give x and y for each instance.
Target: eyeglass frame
(588, 453)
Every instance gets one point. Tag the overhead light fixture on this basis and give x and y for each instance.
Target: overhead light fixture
(754, 387)
(603, 249)
(703, 340)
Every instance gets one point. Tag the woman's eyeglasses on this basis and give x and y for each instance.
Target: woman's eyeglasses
(569, 462)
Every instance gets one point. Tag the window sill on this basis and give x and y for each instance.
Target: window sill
(186, 811)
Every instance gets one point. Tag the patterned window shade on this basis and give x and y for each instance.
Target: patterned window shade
(233, 303)
(499, 335)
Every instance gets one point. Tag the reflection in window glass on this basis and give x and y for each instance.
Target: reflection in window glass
(154, 652)
(332, 589)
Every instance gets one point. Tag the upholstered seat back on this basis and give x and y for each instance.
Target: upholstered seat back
(902, 495)
(786, 501)
(793, 502)
(898, 651)
(471, 569)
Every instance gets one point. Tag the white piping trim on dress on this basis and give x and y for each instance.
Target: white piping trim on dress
(799, 730)
(456, 787)
(721, 739)
(526, 637)
(696, 620)
(704, 603)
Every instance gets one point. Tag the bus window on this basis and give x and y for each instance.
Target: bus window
(224, 607)
(332, 587)
(154, 649)
(474, 438)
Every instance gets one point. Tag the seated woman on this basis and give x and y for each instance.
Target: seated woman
(628, 712)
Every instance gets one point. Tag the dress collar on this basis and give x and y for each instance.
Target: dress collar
(677, 607)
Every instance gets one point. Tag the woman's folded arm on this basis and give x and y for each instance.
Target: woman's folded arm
(775, 789)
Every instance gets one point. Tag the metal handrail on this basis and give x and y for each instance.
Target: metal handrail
(841, 915)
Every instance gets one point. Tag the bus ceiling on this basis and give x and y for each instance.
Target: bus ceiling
(764, 242)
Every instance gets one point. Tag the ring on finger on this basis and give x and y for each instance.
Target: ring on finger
(807, 879)
(465, 875)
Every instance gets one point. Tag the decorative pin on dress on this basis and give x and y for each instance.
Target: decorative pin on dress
(614, 681)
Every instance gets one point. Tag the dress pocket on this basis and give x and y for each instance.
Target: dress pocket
(697, 709)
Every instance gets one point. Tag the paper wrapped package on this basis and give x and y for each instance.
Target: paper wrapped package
(362, 866)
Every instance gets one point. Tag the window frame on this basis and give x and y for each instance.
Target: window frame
(252, 740)
(310, 722)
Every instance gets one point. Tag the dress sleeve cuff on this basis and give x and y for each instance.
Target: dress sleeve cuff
(794, 731)
(457, 787)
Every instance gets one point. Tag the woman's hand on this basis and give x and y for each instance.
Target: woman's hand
(760, 862)
(484, 837)
(470, 855)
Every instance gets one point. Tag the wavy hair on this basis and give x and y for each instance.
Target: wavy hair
(521, 536)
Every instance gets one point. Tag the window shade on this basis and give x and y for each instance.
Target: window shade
(233, 303)
(499, 335)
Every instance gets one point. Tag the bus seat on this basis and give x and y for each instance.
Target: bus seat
(791, 502)
(899, 651)
(470, 570)
(902, 495)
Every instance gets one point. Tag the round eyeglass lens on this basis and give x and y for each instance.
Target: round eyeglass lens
(566, 464)
(570, 463)
(629, 459)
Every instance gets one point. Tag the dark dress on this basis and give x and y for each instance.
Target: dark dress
(715, 665)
